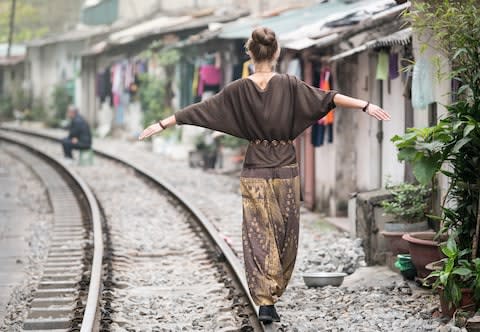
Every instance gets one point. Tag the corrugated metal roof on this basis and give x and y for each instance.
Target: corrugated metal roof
(299, 20)
(323, 33)
(81, 33)
(147, 28)
(11, 61)
(401, 37)
(163, 25)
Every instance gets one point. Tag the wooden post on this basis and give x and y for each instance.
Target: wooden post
(12, 26)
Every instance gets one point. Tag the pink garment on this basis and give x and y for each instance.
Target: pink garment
(116, 99)
(209, 75)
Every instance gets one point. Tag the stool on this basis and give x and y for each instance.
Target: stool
(86, 157)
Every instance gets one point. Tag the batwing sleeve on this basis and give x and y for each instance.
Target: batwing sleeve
(310, 104)
(217, 113)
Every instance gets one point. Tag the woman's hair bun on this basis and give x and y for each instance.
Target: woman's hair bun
(263, 45)
(264, 36)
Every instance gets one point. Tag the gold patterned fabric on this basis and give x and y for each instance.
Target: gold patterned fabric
(271, 212)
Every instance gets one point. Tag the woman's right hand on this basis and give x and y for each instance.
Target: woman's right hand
(377, 112)
(150, 130)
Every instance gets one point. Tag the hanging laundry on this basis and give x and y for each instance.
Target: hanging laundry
(382, 66)
(295, 68)
(422, 83)
(325, 79)
(208, 75)
(116, 78)
(393, 71)
(195, 81)
(141, 66)
(319, 130)
(103, 85)
(245, 69)
(129, 75)
(218, 60)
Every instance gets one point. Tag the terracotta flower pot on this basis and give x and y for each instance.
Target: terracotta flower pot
(467, 302)
(424, 250)
(394, 232)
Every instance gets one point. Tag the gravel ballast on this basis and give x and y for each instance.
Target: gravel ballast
(393, 305)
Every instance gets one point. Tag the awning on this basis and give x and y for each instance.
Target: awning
(17, 54)
(163, 25)
(401, 37)
(82, 32)
(11, 61)
(288, 21)
(147, 28)
(302, 28)
(338, 26)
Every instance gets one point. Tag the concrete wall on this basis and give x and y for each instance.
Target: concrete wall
(358, 161)
(49, 65)
(442, 95)
(367, 148)
(12, 78)
(393, 102)
(346, 131)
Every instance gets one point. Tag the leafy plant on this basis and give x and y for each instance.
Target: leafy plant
(452, 147)
(457, 273)
(60, 101)
(37, 112)
(152, 95)
(408, 203)
(6, 107)
(156, 93)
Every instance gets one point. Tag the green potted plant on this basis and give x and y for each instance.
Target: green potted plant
(406, 212)
(458, 280)
(454, 29)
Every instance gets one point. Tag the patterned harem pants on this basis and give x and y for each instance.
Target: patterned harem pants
(271, 212)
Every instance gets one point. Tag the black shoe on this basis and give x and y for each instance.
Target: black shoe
(275, 316)
(265, 314)
(268, 314)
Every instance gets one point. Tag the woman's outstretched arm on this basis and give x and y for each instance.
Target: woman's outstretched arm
(157, 127)
(372, 109)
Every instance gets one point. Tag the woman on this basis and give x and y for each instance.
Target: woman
(269, 110)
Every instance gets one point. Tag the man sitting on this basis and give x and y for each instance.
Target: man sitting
(79, 136)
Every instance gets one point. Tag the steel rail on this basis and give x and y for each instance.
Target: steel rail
(89, 316)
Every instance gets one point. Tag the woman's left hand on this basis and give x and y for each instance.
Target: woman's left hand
(150, 130)
(377, 112)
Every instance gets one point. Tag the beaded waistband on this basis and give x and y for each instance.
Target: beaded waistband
(273, 142)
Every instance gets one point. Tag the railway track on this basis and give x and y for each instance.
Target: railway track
(119, 281)
(67, 293)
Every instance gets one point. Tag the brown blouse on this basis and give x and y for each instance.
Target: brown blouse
(280, 112)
